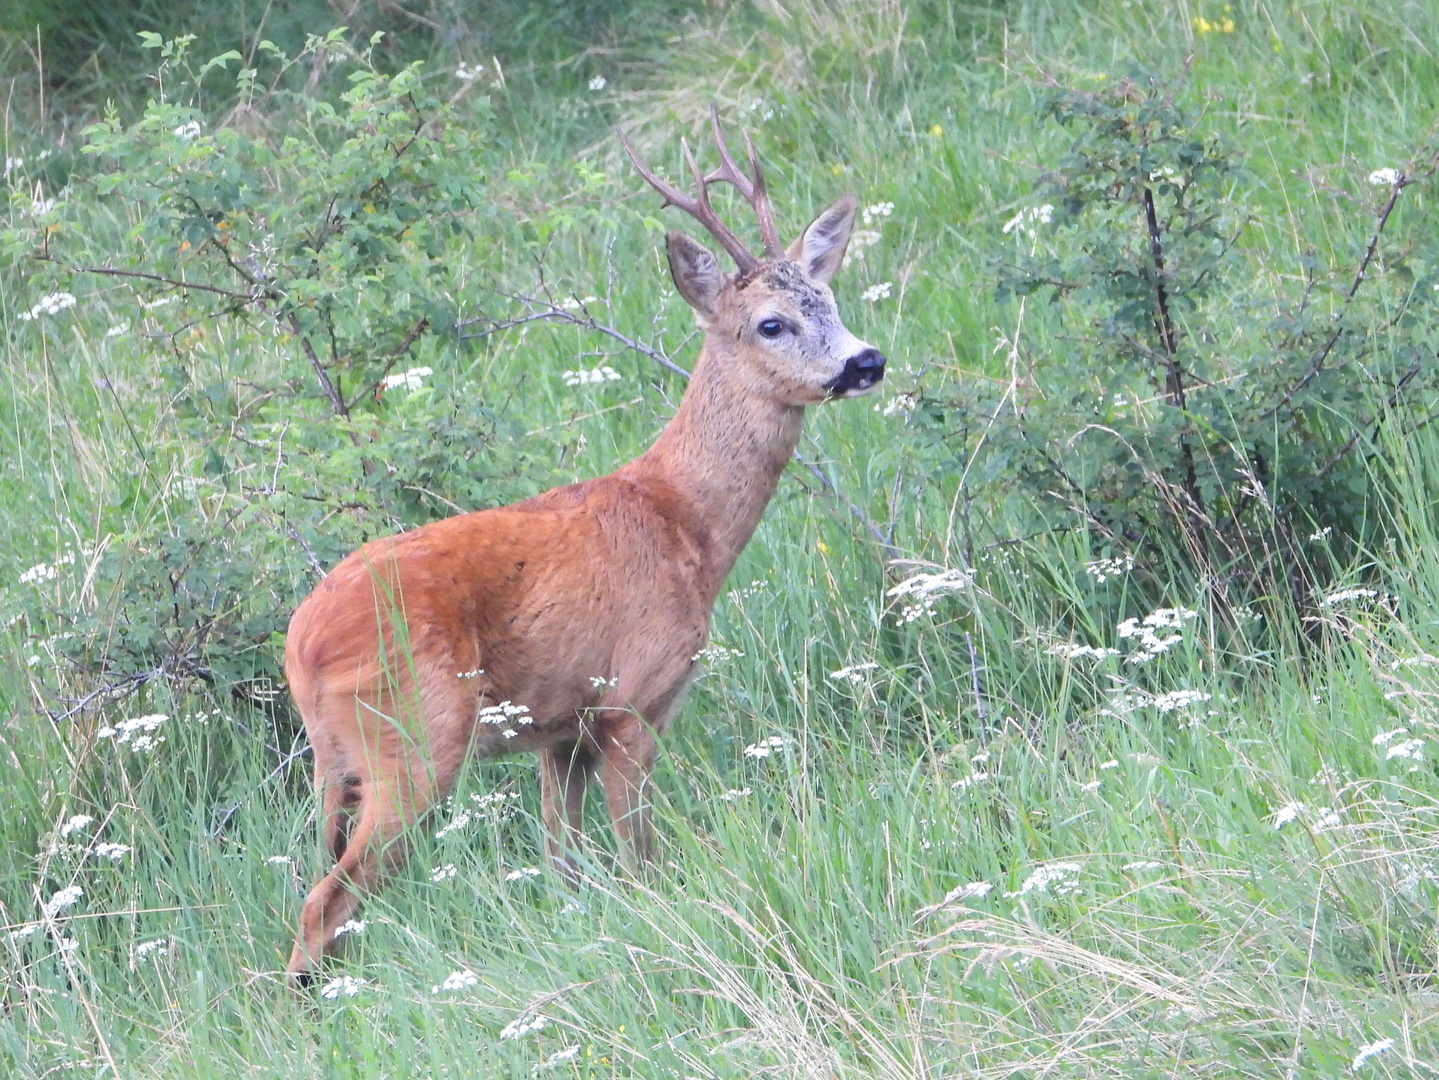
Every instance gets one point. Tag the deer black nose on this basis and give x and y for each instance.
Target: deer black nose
(861, 372)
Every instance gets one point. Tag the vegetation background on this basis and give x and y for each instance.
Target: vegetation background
(1018, 755)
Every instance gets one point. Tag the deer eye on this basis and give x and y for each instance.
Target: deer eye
(771, 328)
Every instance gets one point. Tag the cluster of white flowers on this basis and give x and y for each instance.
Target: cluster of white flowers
(469, 74)
(189, 131)
(1101, 570)
(350, 926)
(1179, 699)
(279, 860)
(138, 732)
(1056, 875)
(456, 980)
(574, 303)
(765, 747)
(1026, 219)
(979, 776)
(924, 589)
(1149, 631)
(12, 164)
(62, 899)
(877, 292)
(855, 673)
(412, 379)
(735, 793)
(975, 890)
(50, 304)
(345, 985)
(522, 873)
(76, 823)
(1069, 651)
(1286, 813)
(582, 377)
(113, 852)
(903, 401)
(1409, 748)
(43, 572)
(757, 107)
(443, 873)
(1367, 1052)
(145, 948)
(875, 211)
(1387, 177)
(1340, 596)
(523, 1025)
(506, 712)
(599, 82)
(712, 654)
(561, 1056)
(1143, 864)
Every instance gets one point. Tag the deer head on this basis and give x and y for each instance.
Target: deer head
(775, 316)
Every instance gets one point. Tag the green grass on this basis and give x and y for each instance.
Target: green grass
(799, 923)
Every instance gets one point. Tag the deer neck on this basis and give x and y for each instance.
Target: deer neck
(722, 456)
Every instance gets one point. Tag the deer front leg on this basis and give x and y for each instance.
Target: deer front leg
(564, 770)
(627, 747)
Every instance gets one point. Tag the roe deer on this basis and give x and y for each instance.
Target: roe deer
(569, 623)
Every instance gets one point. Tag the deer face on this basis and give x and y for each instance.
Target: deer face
(778, 322)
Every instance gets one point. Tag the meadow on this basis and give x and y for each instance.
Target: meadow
(1010, 759)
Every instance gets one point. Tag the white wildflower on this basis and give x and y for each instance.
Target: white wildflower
(599, 82)
(522, 1025)
(1179, 699)
(1387, 736)
(468, 74)
(1026, 219)
(443, 873)
(458, 822)
(76, 823)
(973, 891)
(192, 130)
(858, 241)
(456, 980)
(12, 164)
(22, 932)
(279, 860)
(1093, 785)
(1066, 651)
(347, 985)
(1151, 631)
(765, 747)
(1286, 813)
(904, 401)
(574, 303)
(1367, 1052)
(1341, 595)
(145, 948)
(1143, 864)
(1104, 569)
(979, 776)
(854, 673)
(1112, 763)
(350, 926)
(50, 304)
(582, 377)
(563, 1055)
(67, 945)
(711, 654)
(138, 732)
(1409, 748)
(159, 303)
(1387, 177)
(735, 793)
(61, 900)
(412, 379)
(522, 873)
(1326, 818)
(875, 211)
(877, 292)
(1322, 533)
(1055, 874)
(122, 327)
(113, 852)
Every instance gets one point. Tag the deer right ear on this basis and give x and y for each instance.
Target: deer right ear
(819, 250)
(696, 272)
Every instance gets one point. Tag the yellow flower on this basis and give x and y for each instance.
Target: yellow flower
(936, 131)
(822, 547)
(836, 169)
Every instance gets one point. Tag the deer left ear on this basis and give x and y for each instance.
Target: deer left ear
(819, 250)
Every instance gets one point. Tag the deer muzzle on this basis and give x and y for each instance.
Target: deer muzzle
(862, 372)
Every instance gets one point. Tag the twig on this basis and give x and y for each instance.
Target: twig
(129, 684)
(231, 811)
(336, 401)
(175, 283)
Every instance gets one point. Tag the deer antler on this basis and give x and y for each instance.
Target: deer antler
(698, 205)
(751, 188)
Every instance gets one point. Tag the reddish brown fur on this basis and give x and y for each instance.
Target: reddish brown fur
(395, 653)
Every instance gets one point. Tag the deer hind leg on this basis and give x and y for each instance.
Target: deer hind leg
(564, 771)
(627, 747)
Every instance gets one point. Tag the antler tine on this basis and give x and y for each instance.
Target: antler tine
(752, 189)
(698, 207)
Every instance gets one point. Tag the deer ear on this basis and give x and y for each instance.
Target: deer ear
(696, 272)
(819, 250)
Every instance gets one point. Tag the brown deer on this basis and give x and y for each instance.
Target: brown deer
(569, 623)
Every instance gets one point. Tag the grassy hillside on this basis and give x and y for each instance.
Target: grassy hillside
(1002, 827)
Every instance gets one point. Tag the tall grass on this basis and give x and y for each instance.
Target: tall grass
(983, 854)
